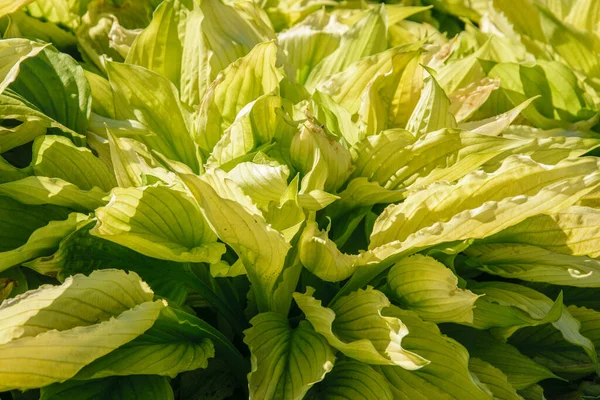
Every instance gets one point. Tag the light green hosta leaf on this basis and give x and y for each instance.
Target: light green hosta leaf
(372, 114)
(348, 86)
(582, 14)
(521, 371)
(397, 163)
(574, 230)
(356, 326)
(309, 41)
(160, 45)
(535, 264)
(364, 38)
(538, 306)
(242, 82)
(150, 387)
(316, 200)
(158, 108)
(546, 150)
(561, 103)
(361, 193)
(407, 93)
(577, 48)
(169, 347)
(32, 231)
(10, 6)
(263, 182)
(427, 286)
(442, 155)
(108, 293)
(494, 126)
(288, 13)
(224, 187)
(217, 34)
(523, 15)
(286, 215)
(316, 177)
(311, 195)
(256, 125)
(159, 222)
(286, 362)
(399, 12)
(518, 176)
(192, 51)
(519, 189)
(128, 128)
(55, 84)
(42, 190)
(65, 12)
(320, 255)
(335, 156)
(58, 157)
(13, 53)
(128, 165)
(506, 319)
(432, 112)
(508, 307)
(73, 336)
(102, 96)
(371, 155)
(458, 74)
(335, 117)
(262, 249)
(464, 102)
(23, 25)
(352, 380)
(493, 379)
(447, 377)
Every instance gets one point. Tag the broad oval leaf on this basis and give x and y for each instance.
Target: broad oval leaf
(158, 108)
(286, 361)
(159, 222)
(77, 341)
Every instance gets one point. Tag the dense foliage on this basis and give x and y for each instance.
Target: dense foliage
(299, 199)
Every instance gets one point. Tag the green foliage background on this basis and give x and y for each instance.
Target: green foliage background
(287, 199)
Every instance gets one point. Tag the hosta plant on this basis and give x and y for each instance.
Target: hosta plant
(311, 199)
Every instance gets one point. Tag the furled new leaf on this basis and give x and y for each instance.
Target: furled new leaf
(425, 285)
